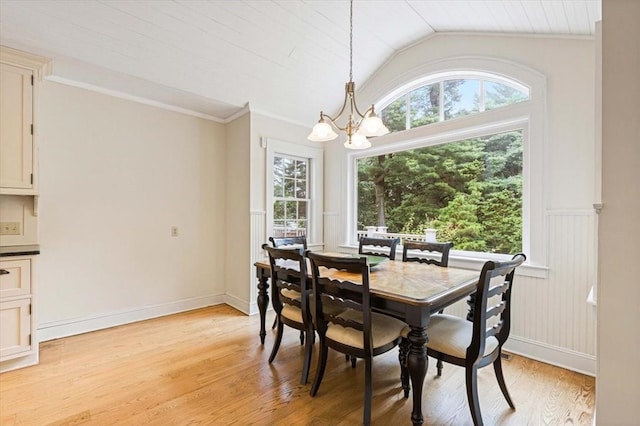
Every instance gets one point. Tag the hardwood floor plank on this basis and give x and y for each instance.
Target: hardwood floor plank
(207, 367)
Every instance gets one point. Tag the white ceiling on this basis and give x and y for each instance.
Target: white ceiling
(288, 58)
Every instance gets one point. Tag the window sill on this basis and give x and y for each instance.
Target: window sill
(526, 270)
(475, 263)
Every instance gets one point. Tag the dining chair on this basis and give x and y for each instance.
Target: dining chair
(290, 298)
(342, 316)
(299, 241)
(478, 342)
(417, 251)
(378, 246)
(290, 242)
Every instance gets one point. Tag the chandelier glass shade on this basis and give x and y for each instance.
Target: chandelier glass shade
(359, 126)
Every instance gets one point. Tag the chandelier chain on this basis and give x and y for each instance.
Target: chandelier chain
(351, 41)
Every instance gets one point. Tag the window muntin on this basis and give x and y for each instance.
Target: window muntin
(448, 98)
(470, 190)
(290, 196)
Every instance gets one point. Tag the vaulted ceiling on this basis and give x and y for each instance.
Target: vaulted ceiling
(288, 58)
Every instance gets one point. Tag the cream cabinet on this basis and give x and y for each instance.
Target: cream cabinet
(20, 74)
(17, 324)
(16, 128)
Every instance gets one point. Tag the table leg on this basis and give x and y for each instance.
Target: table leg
(263, 301)
(417, 363)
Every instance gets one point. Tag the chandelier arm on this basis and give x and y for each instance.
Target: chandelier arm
(355, 107)
(332, 120)
(339, 114)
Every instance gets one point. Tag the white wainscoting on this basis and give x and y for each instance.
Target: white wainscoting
(333, 231)
(551, 319)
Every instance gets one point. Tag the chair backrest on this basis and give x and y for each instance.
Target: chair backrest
(332, 296)
(287, 267)
(373, 245)
(496, 280)
(423, 248)
(296, 242)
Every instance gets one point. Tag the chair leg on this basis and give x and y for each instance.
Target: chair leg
(472, 394)
(301, 337)
(322, 363)
(403, 353)
(353, 359)
(276, 343)
(368, 390)
(439, 367)
(497, 367)
(275, 323)
(308, 349)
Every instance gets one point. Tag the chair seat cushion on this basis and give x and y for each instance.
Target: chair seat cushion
(292, 312)
(384, 330)
(290, 294)
(451, 335)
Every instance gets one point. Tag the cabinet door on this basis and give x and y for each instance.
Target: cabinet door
(15, 328)
(16, 118)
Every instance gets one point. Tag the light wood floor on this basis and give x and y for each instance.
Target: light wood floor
(207, 367)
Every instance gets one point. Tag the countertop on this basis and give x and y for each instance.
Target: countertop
(19, 250)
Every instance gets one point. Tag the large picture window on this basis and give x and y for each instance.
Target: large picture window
(469, 190)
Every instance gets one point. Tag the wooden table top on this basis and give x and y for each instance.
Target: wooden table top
(412, 282)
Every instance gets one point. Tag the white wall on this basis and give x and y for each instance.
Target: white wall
(238, 270)
(114, 177)
(618, 383)
(551, 320)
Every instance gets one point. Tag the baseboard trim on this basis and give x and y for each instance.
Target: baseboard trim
(571, 360)
(14, 364)
(565, 358)
(247, 308)
(65, 328)
(237, 303)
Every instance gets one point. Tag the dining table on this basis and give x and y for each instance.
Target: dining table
(410, 291)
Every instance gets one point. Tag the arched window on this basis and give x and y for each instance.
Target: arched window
(444, 97)
(464, 157)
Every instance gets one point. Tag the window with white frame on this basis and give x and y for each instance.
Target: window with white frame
(465, 167)
(290, 196)
(445, 98)
(469, 190)
(294, 190)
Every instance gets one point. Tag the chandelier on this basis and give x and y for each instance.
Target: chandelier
(359, 126)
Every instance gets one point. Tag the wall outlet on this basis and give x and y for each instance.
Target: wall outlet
(9, 228)
(174, 231)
